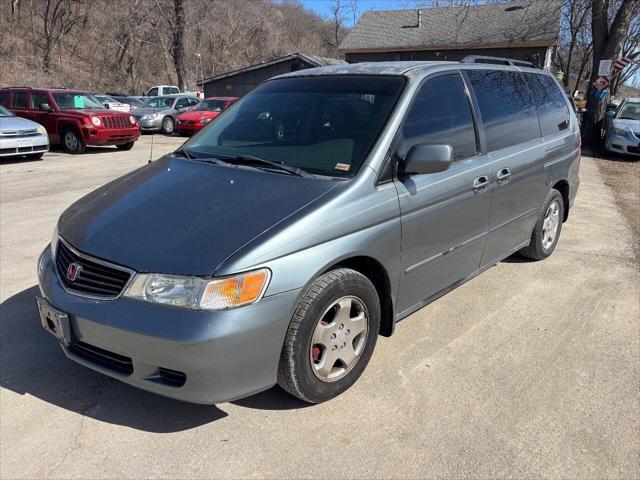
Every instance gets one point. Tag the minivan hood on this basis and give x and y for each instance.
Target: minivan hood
(183, 217)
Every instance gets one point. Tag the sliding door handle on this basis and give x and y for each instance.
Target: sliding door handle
(503, 176)
(480, 184)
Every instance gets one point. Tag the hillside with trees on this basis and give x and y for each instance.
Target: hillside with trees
(128, 45)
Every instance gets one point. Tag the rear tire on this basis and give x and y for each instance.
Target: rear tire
(331, 336)
(72, 141)
(546, 232)
(168, 125)
(125, 146)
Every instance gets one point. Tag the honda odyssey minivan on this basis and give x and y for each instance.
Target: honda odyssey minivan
(327, 205)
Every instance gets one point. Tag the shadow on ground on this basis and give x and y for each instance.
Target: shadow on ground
(33, 364)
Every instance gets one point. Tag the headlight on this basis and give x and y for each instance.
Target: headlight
(96, 121)
(205, 120)
(54, 241)
(620, 132)
(200, 293)
(41, 130)
(132, 119)
(152, 116)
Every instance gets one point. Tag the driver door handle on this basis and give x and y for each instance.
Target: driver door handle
(503, 176)
(480, 184)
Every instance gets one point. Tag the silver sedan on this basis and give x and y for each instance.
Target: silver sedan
(21, 137)
(159, 113)
(623, 128)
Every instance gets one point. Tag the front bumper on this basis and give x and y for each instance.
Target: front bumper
(10, 147)
(629, 144)
(189, 127)
(224, 355)
(110, 136)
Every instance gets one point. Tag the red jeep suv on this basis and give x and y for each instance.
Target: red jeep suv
(73, 119)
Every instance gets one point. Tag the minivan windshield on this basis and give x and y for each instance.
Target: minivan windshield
(76, 101)
(324, 125)
(630, 111)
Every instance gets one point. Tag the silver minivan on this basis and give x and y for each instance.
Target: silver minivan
(320, 210)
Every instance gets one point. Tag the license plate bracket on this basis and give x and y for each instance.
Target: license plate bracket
(54, 321)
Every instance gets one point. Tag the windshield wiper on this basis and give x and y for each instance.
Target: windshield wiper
(181, 152)
(250, 159)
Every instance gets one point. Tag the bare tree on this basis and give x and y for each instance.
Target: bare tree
(59, 17)
(630, 46)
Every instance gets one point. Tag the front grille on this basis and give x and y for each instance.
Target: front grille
(115, 121)
(93, 278)
(633, 149)
(19, 133)
(104, 358)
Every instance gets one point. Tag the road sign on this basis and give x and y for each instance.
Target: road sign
(601, 83)
(621, 63)
(604, 70)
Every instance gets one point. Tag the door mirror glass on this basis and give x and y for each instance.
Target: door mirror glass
(428, 158)
(611, 113)
(106, 105)
(45, 106)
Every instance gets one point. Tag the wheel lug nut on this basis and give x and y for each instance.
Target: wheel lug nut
(333, 336)
(334, 347)
(348, 331)
(340, 327)
(343, 345)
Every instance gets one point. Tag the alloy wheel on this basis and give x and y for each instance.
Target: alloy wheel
(339, 339)
(550, 224)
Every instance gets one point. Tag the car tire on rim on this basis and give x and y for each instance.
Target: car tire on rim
(331, 336)
(168, 126)
(72, 142)
(546, 232)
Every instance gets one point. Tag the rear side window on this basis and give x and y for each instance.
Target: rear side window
(170, 91)
(4, 99)
(19, 100)
(440, 113)
(506, 107)
(38, 99)
(550, 103)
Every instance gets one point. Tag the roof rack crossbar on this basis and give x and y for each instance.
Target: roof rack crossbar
(498, 60)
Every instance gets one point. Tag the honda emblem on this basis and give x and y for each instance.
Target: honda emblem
(73, 271)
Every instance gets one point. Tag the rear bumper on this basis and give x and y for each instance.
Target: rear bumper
(10, 147)
(110, 136)
(224, 355)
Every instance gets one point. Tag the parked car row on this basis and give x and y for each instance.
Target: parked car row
(75, 119)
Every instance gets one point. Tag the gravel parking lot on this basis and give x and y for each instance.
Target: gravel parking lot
(530, 370)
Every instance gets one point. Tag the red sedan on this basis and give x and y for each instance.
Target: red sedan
(194, 120)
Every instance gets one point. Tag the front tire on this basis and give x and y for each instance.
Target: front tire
(168, 125)
(546, 232)
(125, 146)
(331, 336)
(72, 142)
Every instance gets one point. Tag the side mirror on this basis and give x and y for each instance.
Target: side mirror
(45, 106)
(611, 113)
(427, 158)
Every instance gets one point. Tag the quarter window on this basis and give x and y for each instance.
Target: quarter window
(506, 108)
(441, 113)
(4, 99)
(19, 100)
(550, 103)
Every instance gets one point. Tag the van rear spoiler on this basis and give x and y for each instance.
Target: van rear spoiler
(496, 60)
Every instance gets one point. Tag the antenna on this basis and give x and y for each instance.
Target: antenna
(151, 149)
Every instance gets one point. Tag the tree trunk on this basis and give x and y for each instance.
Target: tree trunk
(607, 44)
(177, 47)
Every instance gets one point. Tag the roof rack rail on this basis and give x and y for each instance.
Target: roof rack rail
(496, 60)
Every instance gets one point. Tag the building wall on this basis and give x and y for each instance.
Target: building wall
(242, 83)
(536, 55)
